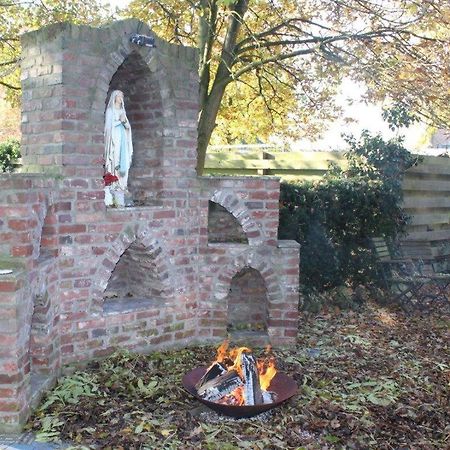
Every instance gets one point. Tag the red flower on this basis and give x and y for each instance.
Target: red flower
(109, 178)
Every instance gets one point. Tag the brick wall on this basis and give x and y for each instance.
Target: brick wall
(87, 279)
(253, 202)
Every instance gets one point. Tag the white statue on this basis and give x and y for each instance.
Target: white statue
(118, 143)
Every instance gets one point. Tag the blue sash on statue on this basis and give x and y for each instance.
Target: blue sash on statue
(123, 158)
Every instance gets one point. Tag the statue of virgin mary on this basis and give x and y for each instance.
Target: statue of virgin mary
(118, 143)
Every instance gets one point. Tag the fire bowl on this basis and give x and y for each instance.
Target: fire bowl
(284, 386)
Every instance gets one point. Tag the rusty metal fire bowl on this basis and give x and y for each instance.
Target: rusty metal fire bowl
(284, 386)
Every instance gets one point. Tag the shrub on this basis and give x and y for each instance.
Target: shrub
(9, 154)
(334, 217)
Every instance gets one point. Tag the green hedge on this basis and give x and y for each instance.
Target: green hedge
(9, 154)
(333, 219)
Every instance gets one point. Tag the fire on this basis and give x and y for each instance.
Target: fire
(231, 360)
(266, 373)
(235, 355)
(222, 351)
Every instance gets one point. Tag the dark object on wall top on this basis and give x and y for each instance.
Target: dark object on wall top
(142, 40)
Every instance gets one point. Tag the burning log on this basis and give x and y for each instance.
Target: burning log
(214, 371)
(237, 378)
(220, 386)
(252, 387)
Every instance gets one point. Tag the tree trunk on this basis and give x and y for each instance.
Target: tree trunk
(206, 124)
(210, 103)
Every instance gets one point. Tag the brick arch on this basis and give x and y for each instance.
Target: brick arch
(254, 260)
(141, 234)
(153, 59)
(236, 207)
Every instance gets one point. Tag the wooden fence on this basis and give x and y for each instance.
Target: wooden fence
(265, 161)
(426, 187)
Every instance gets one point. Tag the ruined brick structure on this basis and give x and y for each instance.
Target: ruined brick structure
(86, 279)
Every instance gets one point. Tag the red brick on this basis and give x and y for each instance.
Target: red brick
(5, 393)
(80, 228)
(10, 378)
(291, 332)
(161, 339)
(21, 224)
(164, 215)
(291, 315)
(22, 250)
(22, 197)
(4, 237)
(10, 286)
(79, 183)
(9, 406)
(147, 314)
(63, 206)
(67, 349)
(219, 332)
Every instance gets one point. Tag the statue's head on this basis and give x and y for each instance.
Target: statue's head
(116, 99)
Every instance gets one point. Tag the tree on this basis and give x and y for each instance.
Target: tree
(9, 118)
(280, 62)
(397, 47)
(17, 17)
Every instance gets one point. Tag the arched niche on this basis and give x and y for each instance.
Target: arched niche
(135, 282)
(223, 227)
(248, 302)
(144, 107)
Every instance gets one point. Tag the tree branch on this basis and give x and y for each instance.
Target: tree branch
(8, 63)
(10, 86)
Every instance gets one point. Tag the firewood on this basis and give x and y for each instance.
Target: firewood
(214, 371)
(220, 386)
(252, 388)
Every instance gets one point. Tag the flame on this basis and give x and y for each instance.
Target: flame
(222, 352)
(238, 394)
(235, 355)
(266, 373)
(235, 398)
(266, 369)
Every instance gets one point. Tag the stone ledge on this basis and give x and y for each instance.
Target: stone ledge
(118, 306)
(288, 244)
(227, 245)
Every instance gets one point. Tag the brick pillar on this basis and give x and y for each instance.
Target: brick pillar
(283, 312)
(14, 355)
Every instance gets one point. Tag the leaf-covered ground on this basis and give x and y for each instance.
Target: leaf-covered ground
(373, 379)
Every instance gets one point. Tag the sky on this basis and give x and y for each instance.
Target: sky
(114, 3)
(363, 116)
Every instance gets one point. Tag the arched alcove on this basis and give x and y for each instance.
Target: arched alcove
(223, 226)
(144, 109)
(135, 281)
(248, 302)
